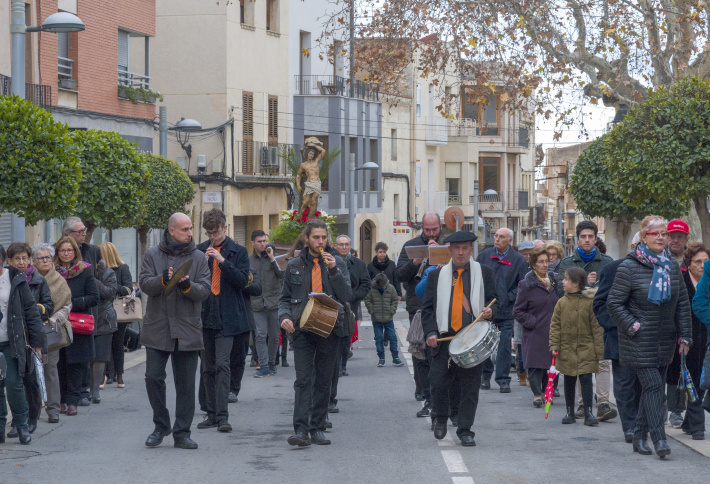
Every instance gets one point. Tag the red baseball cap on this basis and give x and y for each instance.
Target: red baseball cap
(678, 226)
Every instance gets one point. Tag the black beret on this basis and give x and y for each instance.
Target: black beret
(460, 236)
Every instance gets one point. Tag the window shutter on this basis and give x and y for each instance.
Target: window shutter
(240, 230)
(63, 44)
(247, 133)
(123, 50)
(273, 119)
(5, 229)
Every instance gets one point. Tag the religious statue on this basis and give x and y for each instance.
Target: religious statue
(312, 154)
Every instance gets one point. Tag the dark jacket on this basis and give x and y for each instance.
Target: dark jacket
(271, 277)
(605, 278)
(406, 270)
(84, 299)
(652, 346)
(124, 280)
(252, 290)
(382, 305)
(390, 270)
(175, 316)
(533, 309)
(507, 275)
(42, 294)
(594, 265)
(360, 283)
(24, 325)
(429, 303)
(90, 253)
(233, 317)
(106, 284)
(297, 286)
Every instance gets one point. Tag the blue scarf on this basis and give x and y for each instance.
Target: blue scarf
(587, 256)
(660, 289)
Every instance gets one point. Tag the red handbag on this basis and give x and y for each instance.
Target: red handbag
(81, 323)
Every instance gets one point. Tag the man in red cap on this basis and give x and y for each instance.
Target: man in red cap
(678, 236)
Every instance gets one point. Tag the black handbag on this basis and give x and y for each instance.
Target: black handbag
(132, 339)
(350, 318)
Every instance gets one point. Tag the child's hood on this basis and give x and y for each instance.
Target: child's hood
(589, 292)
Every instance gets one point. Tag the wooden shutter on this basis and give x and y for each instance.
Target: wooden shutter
(273, 120)
(247, 133)
(240, 230)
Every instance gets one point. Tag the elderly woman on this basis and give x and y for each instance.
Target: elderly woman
(648, 301)
(61, 296)
(20, 327)
(534, 305)
(84, 297)
(19, 256)
(555, 253)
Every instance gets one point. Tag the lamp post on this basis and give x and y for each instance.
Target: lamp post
(351, 195)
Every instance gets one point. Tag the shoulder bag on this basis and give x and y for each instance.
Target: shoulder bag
(59, 335)
(81, 323)
(128, 308)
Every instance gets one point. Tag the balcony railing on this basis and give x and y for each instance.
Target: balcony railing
(65, 68)
(38, 94)
(510, 200)
(131, 79)
(258, 158)
(454, 199)
(519, 137)
(335, 86)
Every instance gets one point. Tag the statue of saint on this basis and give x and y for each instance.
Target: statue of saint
(312, 154)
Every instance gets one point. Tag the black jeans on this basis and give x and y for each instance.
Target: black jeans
(344, 352)
(115, 366)
(585, 380)
(237, 361)
(216, 372)
(34, 399)
(184, 368)
(627, 392)
(312, 355)
(538, 380)
(338, 365)
(442, 377)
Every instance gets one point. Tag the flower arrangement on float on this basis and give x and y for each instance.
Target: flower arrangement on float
(292, 222)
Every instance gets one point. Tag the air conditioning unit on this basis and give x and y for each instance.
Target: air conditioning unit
(269, 156)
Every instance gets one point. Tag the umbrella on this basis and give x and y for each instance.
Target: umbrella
(687, 380)
(39, 371)
(551, 374)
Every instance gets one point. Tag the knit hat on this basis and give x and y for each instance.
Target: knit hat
(381, 280)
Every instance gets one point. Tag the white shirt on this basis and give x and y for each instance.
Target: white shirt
(5, 286)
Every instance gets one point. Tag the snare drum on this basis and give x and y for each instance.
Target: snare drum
(318, 318)
(472, 347)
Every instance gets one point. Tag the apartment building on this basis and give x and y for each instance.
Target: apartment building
(81, 77)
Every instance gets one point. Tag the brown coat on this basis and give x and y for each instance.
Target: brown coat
(576, 334)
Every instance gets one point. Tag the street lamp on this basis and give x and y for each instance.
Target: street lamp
(351, 198)
(55, 23)
(187, 125)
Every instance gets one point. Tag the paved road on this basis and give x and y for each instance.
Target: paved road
(376, 439)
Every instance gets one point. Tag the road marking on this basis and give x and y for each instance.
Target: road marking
(462, 480)
(454, 461)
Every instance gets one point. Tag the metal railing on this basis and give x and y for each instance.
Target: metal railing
(38, 94)
(510, 200)
(65, 68)
(335, 86)
(510, 137)
(131, 79)
(259, 158)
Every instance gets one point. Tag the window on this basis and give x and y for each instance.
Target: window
(489, 174)
(393, 145)
(272, 15)
(247, 133)
(246, 12)
(396, 207)
(373, 158)
(273, 120)
(452, 186)
(123, 50)
(483, 110)
(452, 172)
(419, 100)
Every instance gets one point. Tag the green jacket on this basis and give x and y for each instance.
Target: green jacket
(382, 306)
(594, 265)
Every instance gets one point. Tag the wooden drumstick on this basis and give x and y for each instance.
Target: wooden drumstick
(449, 338)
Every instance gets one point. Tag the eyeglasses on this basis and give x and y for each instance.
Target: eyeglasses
(657, 234)
(66, 251)
(544, 262)
(44, 259)
(698, 261)
(82, 231)
(21, 259)
(211, 233)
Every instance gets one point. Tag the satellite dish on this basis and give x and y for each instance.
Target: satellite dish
(453, 218)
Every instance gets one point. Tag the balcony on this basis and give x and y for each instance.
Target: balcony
(335, 86)
(437, 131)
(130, 79)
(261, 159)
(65, 69)
(515, 138)
(505, 201)
(38, 94)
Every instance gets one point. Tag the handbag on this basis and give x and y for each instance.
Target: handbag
(705, 375)
(688, 381)
(81, 323)
(59, 335)
(128, 308)
(350, 317)
(132, 339)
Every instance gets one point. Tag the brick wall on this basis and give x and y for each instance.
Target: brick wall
(95, 52)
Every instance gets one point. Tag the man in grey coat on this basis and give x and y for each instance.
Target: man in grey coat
(172, 328)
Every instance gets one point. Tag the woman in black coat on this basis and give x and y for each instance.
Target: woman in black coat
(649, 303)
(20, 326)
(85, 296)
(105, 326)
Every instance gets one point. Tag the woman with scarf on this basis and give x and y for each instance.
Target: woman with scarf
(648, 301)
(19, 256)
(61, 296)
(84, 296)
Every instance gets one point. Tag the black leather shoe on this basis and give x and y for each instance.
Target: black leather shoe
(155, 439)
(284, 363)
(440, 428)
(641, 446)
(12, 434)
(26, 438)
(328, 424)
(318, 438)
(419, 397)
(95, 400)
(504, 387)
(83, 402)
(300, 439)
(208, 423)
(629, 436)
(699, 436)
(185, 443)
(425, 411)
(455, 420)
(662, 448)
(467, 441)
(485, 384)
(333, 408)
(32, 426)
(53, 418)
(224, 426)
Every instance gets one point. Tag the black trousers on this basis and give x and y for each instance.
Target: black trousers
(627, 392)
(538, 380)
(184, 369)
(314, 358)
(585, 381)
(443, 377)
(237, 361)
(422, 370)
(344, 353)
(650, 415)
(115, 366)
(345, 340)
(86, 380)
(216, 372)
(34, 399)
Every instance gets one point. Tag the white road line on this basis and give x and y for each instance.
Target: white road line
(462, 480)
(454, 461)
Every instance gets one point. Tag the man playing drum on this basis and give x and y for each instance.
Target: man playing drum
(455, 295)
(313, 354)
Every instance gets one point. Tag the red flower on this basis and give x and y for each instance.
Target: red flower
(317, 214)
(293, 216)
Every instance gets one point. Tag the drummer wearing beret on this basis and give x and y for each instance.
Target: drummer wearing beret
(455, 296)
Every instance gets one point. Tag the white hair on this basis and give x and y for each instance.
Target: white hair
(69, 224)
(343, 236)
(510, 233)
(43, 246)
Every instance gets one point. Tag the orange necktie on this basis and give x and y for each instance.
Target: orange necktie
(457, 303)
(316, 281)
(216, 274)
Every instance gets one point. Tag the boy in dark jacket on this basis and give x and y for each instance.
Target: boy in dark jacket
(381, 303)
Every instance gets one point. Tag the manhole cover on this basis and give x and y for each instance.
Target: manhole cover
(9, 454)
